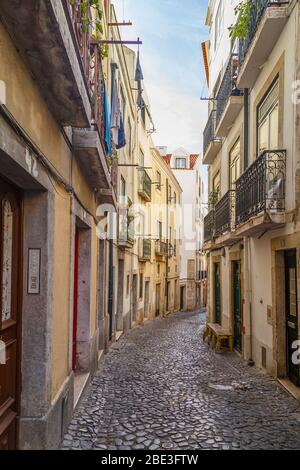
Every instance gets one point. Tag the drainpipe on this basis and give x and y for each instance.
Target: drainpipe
(168, 244)
(247, 244)
(246, 128)
(249, 295)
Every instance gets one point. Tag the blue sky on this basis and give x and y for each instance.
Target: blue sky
(171, 58)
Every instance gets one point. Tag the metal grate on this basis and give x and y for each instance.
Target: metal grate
(262, 186)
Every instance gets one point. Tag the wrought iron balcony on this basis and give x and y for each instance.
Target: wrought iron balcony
(225, 213)
(209, 226)
(161, 248)
(50, 37)
(211, 144)
(90, 61)
(145, 185)
(262, 187)
(209, 131)
(266, 21)
(82, 34)
(227, 94)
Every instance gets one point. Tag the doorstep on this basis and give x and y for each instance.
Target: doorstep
(80, 382)
(290, 388)
(100, 357)
(118, 335)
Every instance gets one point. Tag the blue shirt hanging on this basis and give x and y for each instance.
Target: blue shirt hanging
(107, 123)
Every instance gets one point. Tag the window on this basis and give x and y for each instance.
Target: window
(217, 184)
(122, 187)
(141, 285)
(180, 163)
(158, 180)
(129, 137)
(268, 120)
(235, 163)
(142, 159)
(219, 23)
(143, 113)
(127, 285)
(122, 104)
(159, 229)
(175, 198)
(169, 193)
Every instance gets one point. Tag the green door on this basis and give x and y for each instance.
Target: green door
(217, 293)
(291, 315)
(237, 305)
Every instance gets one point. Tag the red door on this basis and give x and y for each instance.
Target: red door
(75, 313)
(9, 312)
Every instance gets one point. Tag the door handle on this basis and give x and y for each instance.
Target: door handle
(291, 325)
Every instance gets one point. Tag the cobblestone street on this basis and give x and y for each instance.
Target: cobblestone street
(161, 387)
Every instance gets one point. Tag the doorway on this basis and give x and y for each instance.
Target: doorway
(134, 298)
(291, 308)
(237, 305)
(157, 301)
(217, 286)
(82, 299)
(182, 297)
(10, 321)
(147, 298)
(121, 267)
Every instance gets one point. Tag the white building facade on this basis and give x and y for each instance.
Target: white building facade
(187, 168)
(251, 233)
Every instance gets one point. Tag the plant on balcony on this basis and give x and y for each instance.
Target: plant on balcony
(213, 198)
(240, 29)
(95, 23)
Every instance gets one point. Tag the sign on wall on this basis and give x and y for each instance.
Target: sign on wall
(34, 271)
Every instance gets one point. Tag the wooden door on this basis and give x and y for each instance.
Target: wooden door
(217, 293)
(9, 312)
(157, 301)
(75, 302)
(291, 314)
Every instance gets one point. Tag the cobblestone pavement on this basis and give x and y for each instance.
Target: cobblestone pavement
(161, 387)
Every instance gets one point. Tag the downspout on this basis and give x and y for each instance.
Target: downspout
(246, 128)
(247, 243)
(168, 244)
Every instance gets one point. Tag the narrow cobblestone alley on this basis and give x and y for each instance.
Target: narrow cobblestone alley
(161, 387)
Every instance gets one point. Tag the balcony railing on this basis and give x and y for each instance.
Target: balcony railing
(262, 187)
(82, 35)
(161, 248)
(145, 185)
(228, 86)
(209, 131)
(258, 8)
(225, 213)
(91, 61)
(209, 226)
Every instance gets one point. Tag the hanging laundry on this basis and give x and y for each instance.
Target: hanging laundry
(138, 71)
(107, 123)
(115, 113)
(139, 77)
(121, 135)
